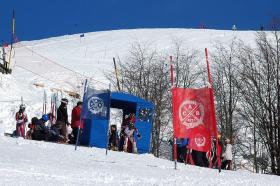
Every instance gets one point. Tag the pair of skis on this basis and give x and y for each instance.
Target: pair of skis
(53, 109)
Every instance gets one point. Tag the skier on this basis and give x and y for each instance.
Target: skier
(62, 118)
(227, 156)
(114, 138)
(182, 144)
(200, 158)
(216, 152)
(130, 143)
(125, 123)
(31, 127)
(40, 130)
(76, 121)
(21, 119)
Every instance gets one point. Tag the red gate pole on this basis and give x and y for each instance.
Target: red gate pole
(213, 107)
(172, 71)
(174, 139)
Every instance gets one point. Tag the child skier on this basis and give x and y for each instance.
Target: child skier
(21, 119)
(130, 143)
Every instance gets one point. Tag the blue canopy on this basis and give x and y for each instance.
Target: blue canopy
(95, 130)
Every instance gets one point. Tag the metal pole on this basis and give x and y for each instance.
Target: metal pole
(79, 128)
(108, 134)
(117, 76)
(172, 71)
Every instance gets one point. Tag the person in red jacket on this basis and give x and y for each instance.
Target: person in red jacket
(76, 120)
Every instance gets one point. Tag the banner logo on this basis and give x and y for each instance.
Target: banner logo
(191, 113)
(200, 141)
(95, 105)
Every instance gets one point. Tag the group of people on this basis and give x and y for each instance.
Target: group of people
(40, 130)
(205, 159)
(126, 139)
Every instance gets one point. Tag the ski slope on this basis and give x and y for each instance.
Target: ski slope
(63, 63)
(25, 162)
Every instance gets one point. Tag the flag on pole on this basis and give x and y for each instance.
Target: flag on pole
(82, 35)
(193, 117)
(5, 45)
(96, 103)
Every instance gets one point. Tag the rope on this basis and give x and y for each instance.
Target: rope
(52, 61)
(8, 101)
(36, 74)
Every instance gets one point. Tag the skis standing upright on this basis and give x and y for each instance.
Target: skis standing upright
(45, 102)
(53, 108)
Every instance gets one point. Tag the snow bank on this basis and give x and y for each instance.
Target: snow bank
(25, 162)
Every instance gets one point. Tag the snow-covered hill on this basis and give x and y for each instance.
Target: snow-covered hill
(25, 162)
(63, 63)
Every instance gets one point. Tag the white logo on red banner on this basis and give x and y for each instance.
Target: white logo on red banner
(191, 113)
(200, 140)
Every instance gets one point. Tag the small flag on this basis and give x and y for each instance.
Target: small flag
(82, 35)
(5, 45)
(96, 104)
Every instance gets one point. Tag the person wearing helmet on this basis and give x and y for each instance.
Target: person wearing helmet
(40, 130)
(21, 119)
(130, 142)
(62, 118)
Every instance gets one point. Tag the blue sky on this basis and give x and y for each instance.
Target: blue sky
(36, 19)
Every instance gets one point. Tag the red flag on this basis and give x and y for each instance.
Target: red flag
(193, 116)
(5, 45)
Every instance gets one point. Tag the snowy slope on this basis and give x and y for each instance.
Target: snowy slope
(25, 162)
(64, 62)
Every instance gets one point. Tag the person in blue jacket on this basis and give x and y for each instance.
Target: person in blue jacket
(182, 144)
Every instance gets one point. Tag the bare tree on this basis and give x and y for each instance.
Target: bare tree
(145, 72)
(260, 90)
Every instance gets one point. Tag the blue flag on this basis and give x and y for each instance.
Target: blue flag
(96, 104)
(82, 35)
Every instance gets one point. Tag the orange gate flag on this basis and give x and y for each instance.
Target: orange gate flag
(193, 117)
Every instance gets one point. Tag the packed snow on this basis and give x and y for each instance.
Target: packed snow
(25, 162)
(63, 63)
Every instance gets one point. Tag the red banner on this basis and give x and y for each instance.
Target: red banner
(193, 117)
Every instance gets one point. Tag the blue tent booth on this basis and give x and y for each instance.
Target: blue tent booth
(95, 129)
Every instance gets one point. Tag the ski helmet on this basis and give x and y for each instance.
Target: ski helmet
(22, 107)
(45, 117)
(64, 100)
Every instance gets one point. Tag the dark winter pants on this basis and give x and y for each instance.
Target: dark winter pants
(226, 165)
(75, 134)
(61, 126)
(200, 158)
(181, 153)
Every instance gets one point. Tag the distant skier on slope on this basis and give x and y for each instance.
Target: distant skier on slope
(21, 119)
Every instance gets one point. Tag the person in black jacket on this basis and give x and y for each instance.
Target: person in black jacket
(62, 118)
(113, 138)
(40, 130)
